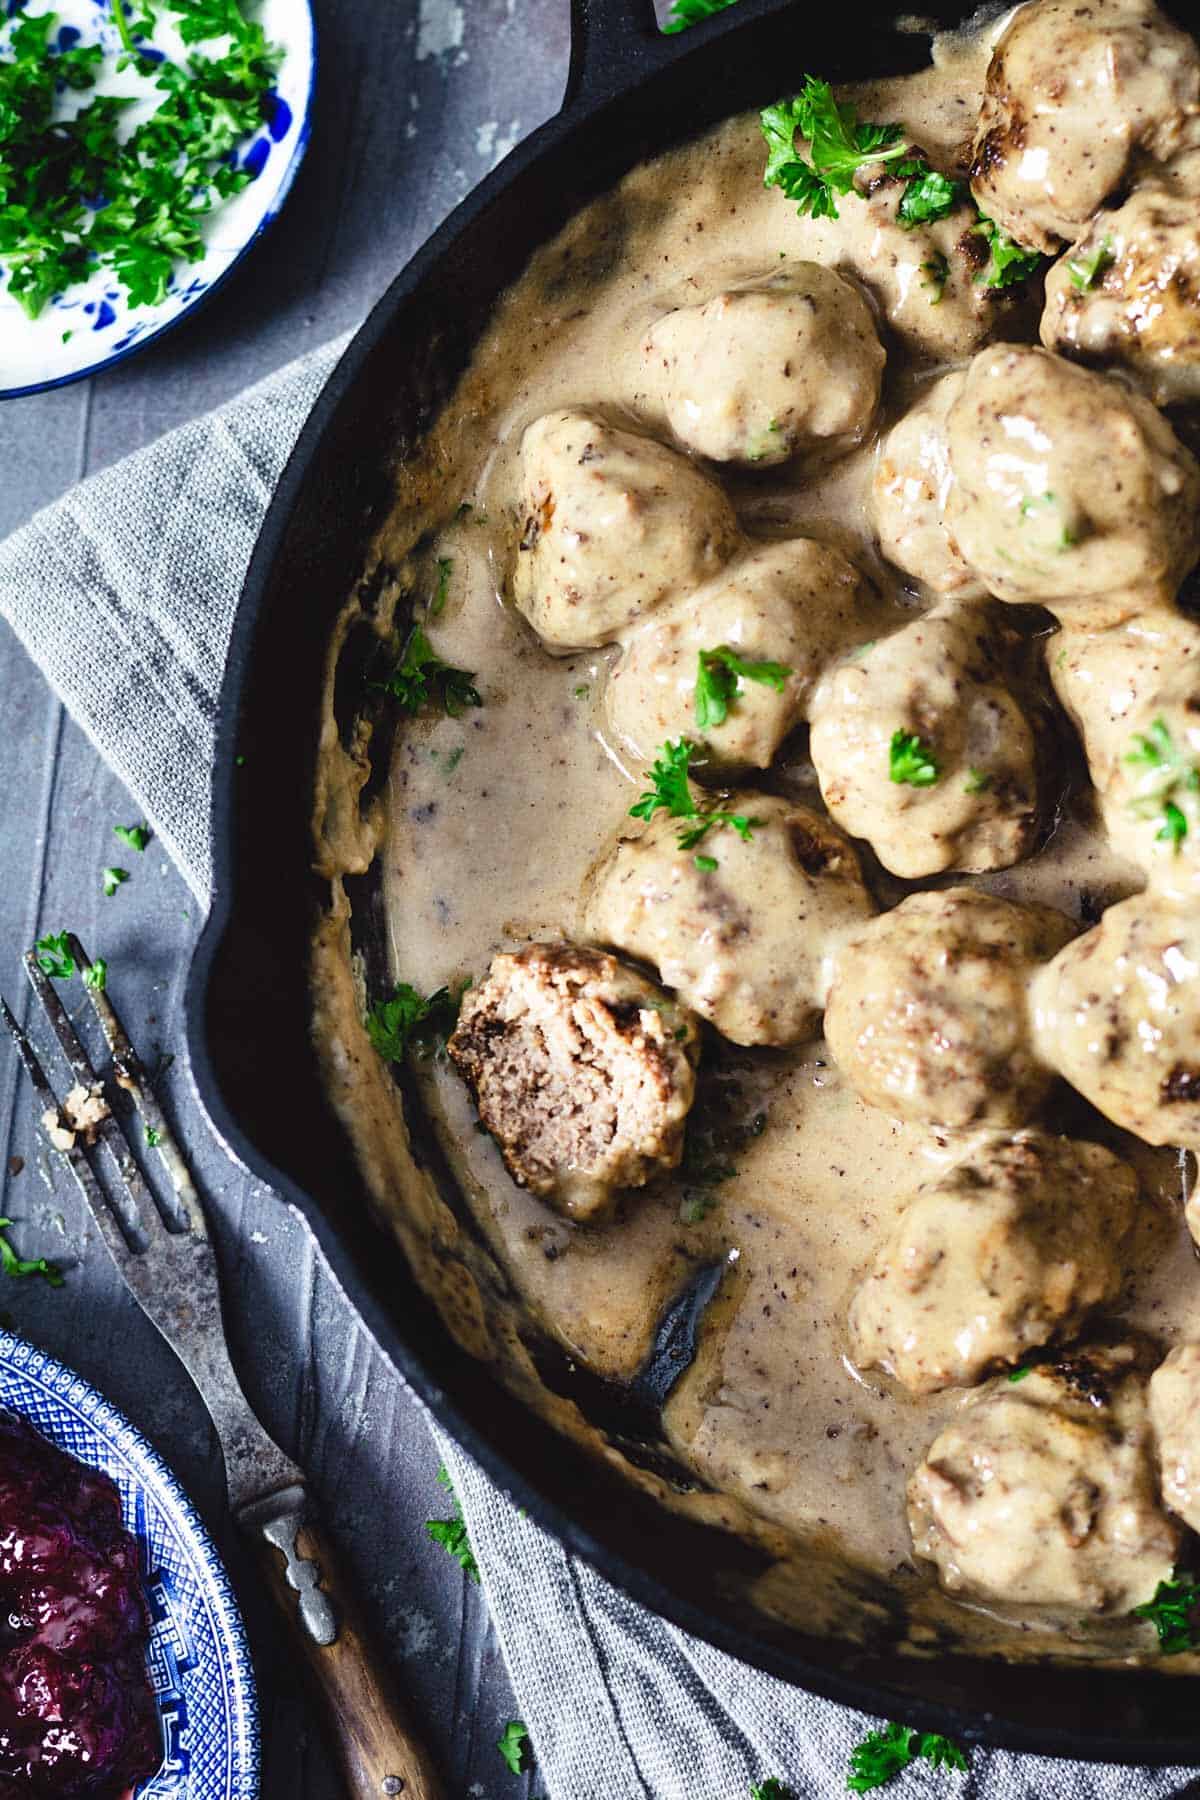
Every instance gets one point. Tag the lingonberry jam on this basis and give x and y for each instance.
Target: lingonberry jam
(77, 1716)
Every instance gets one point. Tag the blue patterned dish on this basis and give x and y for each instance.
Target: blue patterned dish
(199, 1659)
(92, 326)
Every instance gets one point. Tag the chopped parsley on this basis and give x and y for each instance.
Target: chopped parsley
(514, 1746)
(1045, 507)
(408, 1022)
(97, 975)
(135, 836)
(839, 144)
(156, 182)
(706, 864)
(445, 568)
(1173, 1614)
(582, 691)
(1085, 271)
(935, 273)
(671, 791)
(54, 956)
(1169, 784)
(1021, 1373)
(770, 1789)
(421, 678)
(720, 674)
(911, 761)
(978, 782)
(12, 1264)
(690, 12)
(1008, 263)
(153, 1138)
(885, 1753)
(708, 1142)
(451, 1534)
(113, 879)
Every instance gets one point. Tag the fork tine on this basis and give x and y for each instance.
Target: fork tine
(106, 1221)
(131, 1075)
(140, 1216)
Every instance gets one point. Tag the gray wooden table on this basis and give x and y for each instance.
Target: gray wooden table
(416, 100)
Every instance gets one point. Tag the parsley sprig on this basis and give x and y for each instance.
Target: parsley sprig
(75, 194)
(1169, 787)
(1007, 262)
(911, 761)
(670, 790)
(1174, 1613)
(451, 1534)
(12, 1264)
(839, 145)
(514, 1746)
(720, 675)
(409, 1021)
(421, 679)
(690, 12)
(885, 1753)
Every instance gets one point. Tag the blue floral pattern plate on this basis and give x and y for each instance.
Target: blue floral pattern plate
(200, 1665)
(93, 325)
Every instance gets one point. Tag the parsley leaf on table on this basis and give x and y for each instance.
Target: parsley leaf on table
(54, 956)
(1173, 1613)
(513, 1745)
(421, 678)
(136, 836)
(113, 879)
(770, 1789)
(886, 1752)
(911, 761)
(97, 975)
(451, 1534)
(690, 12)
(719, 677)
(12, 1264)
(409, 1022)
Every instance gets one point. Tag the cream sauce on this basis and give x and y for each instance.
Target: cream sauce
(493, 820)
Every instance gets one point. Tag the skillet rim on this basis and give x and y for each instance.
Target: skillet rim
(598, 77)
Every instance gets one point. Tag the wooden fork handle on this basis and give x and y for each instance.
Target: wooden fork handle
(381, 1755)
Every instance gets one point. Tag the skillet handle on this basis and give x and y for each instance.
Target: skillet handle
(612, 43)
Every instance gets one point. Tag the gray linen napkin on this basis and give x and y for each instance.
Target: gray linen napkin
(124, 593)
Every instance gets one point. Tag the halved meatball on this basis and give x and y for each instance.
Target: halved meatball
(1066, 483)
(764, 373)
(582, 1071)
(928, 1013)
(1042, 1492)
(912, 480)
(795, 605)
(1118, 1013)
(1133, 692)
(613, 524)
(1175, 1416)
(748, 943)
(1129, 292)
(1073, 90)
(1009, 1250)
(921, 748)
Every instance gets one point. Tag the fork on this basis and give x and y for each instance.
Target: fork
(165, 1257)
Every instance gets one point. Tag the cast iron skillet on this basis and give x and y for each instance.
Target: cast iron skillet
(631, 93)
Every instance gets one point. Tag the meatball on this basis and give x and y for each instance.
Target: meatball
(928, 1013)
(1118, 1013)
(1129, 293)
(796, 605)
(1133, 691)
(1175, 1416)
(912, 480)
(614, 524)
(762, 374)
(1067, 483)
(582, 1071)
(1007, 1251)
(748, 943)
(1042, 1492)
(1072, 91)
(921, 749)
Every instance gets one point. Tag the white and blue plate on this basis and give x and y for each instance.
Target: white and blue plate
(199, 1658)
(92, 326)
